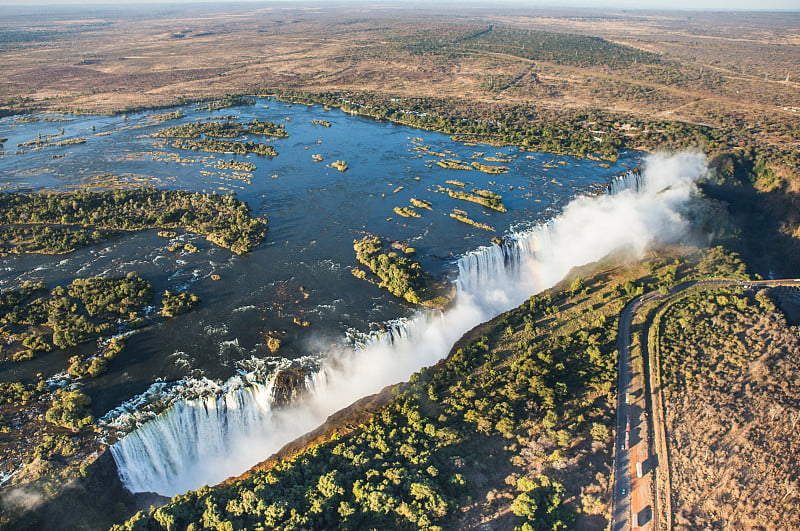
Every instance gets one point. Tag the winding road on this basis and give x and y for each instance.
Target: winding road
(633, 503)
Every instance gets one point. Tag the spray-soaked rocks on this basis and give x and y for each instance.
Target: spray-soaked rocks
(289, 385)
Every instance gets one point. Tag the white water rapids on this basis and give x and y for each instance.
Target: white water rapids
(206, 440)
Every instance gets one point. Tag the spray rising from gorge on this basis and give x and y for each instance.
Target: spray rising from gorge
(205, 440)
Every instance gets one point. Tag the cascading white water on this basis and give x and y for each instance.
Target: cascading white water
(200, 442)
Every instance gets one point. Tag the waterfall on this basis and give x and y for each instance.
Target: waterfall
(203, 441)
(194, 429)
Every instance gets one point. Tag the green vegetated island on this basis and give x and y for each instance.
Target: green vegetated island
(394, 270)
(36, 319)
(513, 429)
(47, 431)
(55, 223)
(205, 136)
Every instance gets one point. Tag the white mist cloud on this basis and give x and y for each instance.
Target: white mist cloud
(204, 442)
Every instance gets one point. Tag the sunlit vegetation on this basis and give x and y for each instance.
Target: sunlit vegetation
(406, 212)
(488, 168)
(562, 131)
(178, 303)
(97, 364)
(61, 222)
(226, 102)
(482, 197)
(36, 319)
(226, 146)
(70, 410)
(402, 276)
(198, 129)
(516, 426)
(453, 164)
(421, 203)
(339, 165)
(236, 165)
(49, 239)
(323, 123)
(166, 116)
(461, 216)
(266, 129)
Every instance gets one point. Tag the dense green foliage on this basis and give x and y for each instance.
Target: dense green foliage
(402, 276)
(178, 303)
(227, 146)
(112, 298)
(34, 318)
(226, 102)
(488, 168)
(266, 129)
(198, 129)
(98, 364)
(50, 239)
(65, 221)
(70, 409)
(222, 130)
(20, 393)
(482, 197)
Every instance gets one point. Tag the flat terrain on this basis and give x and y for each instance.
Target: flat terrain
(711, 68)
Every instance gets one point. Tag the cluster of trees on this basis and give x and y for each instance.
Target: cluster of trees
(70, 409)
(692, 344)
(553, 130)
(486, 198)
(402, 276)
(488, 168)
(461, 216)
(559, 48)
(64, 221)
(20, 392)
(35, 319)
(50, 240)
(226, 102)
(112, 298)
(166, 116)
(236, 165)
(227, 146)
(222, 130)
(198, 129)
(267, 129)
(98, 364)
(178, 303)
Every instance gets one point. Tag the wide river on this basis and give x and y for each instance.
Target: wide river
(302, 271)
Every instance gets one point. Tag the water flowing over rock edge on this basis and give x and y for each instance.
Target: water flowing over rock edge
(206, 439)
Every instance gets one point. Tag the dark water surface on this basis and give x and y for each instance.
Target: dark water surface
(302, 271)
